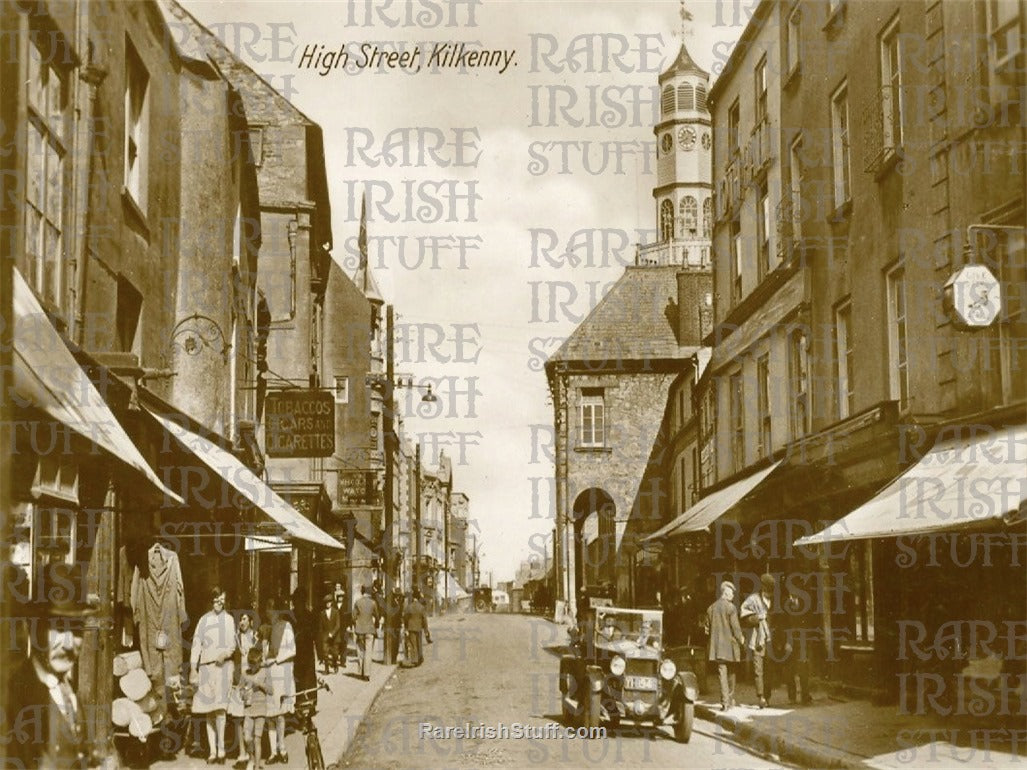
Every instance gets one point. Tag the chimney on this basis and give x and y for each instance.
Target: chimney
(695, 305)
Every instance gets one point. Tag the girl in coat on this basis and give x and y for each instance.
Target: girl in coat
(210, 664)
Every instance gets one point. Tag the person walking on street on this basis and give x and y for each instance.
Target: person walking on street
(365, 622)
(211, 664)
(345, 625)
(393, 623)
(416, 621)
(329, 627)
(797, 643)
(754, 615)
(725, 641)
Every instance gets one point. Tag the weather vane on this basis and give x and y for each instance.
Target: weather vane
(686, 16)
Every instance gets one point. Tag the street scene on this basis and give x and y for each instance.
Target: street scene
(433, 383)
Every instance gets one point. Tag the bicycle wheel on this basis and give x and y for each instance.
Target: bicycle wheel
(315, 759)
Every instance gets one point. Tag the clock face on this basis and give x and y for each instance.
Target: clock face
(706, 140)
(686, 137)
(666, 143)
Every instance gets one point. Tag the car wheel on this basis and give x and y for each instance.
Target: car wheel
(683, 723)
(480, 605)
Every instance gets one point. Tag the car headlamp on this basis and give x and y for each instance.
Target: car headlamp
(617, 665)
(668, 669)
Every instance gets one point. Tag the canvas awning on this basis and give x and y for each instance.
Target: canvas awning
(959, 483)
(456, 591)
(47, 377)
(712, 507)
(247, 484)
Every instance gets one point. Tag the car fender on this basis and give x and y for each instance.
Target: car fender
(688, 685)
(568, 668)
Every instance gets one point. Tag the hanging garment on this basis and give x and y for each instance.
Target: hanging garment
(158, 607)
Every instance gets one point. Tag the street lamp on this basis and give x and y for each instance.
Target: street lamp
(388, 384)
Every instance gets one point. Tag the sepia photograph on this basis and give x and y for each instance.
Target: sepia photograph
(495, 383)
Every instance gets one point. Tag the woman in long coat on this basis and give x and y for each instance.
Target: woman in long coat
(281, 656)
(211, 667)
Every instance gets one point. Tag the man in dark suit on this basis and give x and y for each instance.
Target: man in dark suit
(726, 641)
(44, 725)
(416, 621)
(393, 622)
(329, 627)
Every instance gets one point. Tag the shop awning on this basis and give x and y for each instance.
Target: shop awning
(712, 507)
(958, 484)
(456, 591)
(47, 376)
(248, 484)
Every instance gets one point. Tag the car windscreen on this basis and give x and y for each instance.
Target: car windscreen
(641, 628)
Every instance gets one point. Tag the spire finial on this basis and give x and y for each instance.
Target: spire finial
(686, 16)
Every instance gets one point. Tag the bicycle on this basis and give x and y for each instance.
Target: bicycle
(305, 719)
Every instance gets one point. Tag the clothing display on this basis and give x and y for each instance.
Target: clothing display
(158, 608)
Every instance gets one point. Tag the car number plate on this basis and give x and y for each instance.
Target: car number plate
(640, 683)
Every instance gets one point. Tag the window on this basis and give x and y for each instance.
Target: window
(891, 87)
(666, 221)
(591, 418)
(763, 447)
(667, 100)
(798, 377)
(736, 261)
(733, 116)
(898, 375)
(792, 40)
(700, 97)
(1005, 39)
(257, 145)
(843, 359)
(686, 97)
(708, 438)
(861, 595)
(57, 476)
(797, 170)
(840, 144)
(45, 202)
(689, 216)
(137, 126)
(341, 389)
(707, 218)
(763, 230)
(761, 91)
(127, 313)
(737, 395)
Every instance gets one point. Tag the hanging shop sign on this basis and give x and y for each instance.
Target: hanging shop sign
(300, 424)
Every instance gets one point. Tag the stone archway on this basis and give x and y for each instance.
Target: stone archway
(595, 541)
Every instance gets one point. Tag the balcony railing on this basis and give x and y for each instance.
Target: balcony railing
(674, 252)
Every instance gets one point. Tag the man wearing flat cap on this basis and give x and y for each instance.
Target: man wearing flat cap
(755, 614)
(725, 641)
(329, 627)
(44, 726)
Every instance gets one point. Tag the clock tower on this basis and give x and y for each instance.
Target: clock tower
(684, 145)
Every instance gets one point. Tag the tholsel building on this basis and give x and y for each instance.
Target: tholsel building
(610, 379)
(863, 412)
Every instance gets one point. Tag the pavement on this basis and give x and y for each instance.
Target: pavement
(836, 731)
(340, 712)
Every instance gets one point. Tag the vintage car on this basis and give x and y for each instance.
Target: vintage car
(618, 671)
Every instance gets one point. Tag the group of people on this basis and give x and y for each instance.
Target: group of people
(245, 671)
(767, 634)
(400, 617)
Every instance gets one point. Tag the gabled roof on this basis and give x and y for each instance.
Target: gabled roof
(637, 320)
(683, 64)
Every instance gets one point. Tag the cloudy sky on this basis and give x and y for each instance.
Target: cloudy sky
(479, 181)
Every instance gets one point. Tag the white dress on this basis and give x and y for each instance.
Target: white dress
(282, 699)
(211, 656)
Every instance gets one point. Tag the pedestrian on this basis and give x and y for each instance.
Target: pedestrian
(328, 630)
(365, 622)
(755, 618)
(304, 626)
(725, 641)
(798, 638)
(43, 724)
(211, 667)
(256, 688)
(416, 621)
(345, 626)
(245, 640)
(281, 657)
(393, 624)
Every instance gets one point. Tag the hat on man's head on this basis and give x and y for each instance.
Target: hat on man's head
(60, 593)
(768, 582)
(727, 584)
(329, 598)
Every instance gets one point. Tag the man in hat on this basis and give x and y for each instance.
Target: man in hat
(365, 624)
(43, 723)
(725, 641)
(329, 626)
(755, 618)
(416, 621)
